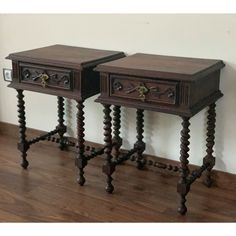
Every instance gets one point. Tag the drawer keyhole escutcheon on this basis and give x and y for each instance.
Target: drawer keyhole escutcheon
(44, 77)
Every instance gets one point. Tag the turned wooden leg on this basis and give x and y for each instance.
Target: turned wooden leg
(209, 159)
(23, 145)
(116, 130)
(183, 186)
(108, 167)
(140, 145)
(61, 126)
(81, 160)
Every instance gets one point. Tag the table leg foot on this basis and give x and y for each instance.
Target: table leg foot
(183, 187)
(209, 159)
(182, 208)
(109, 187)
(208, 180)
(81, 179)
(81, 160)
(24, 162)
(109, 166)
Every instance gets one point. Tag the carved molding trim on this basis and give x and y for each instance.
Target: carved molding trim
(46, 77)
(143, 89)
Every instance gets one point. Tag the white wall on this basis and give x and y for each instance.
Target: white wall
(206, 36)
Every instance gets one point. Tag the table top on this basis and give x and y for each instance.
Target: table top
(65, 56)
(148, 65)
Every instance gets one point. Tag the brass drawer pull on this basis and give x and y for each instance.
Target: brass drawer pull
(44, 77)
(150, 91)
(141, 89)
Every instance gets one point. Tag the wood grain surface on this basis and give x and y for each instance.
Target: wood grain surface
(63, 55)
(159, 66)
(48, 191)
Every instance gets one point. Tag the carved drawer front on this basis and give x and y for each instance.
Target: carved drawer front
(144, 90)
(46, 77)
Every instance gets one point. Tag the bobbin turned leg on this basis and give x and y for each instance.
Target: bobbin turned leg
(140, 145)
(61, 126)
(183, 186)
(108, 167)
(209, 159)
(23, 145)
(117, 140)
(81, 160)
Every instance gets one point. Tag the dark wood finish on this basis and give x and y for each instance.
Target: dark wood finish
(45, 192)
(81, 160)
(174, 85)
(143, 90)
(117, 140)
(63, 71)
(109, 166)
(65, 56)
(161, 165)
(68, 70)
(46, 136)
(23, 145)
(183, 186)
(61, 126)
(124, 157)
(57, 78)
(197, 173)
(209, 159)
(158, 66)
(140, 145)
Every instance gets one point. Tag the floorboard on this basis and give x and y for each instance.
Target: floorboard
(48, 192)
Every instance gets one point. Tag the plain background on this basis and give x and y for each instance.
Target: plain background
(204, 36)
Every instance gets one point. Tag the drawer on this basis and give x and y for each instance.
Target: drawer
(45, 76)
(144, 90)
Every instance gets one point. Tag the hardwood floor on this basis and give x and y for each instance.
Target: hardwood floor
(48, 192)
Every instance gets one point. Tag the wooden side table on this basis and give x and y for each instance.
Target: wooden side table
(174, 85)
(63, 71)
